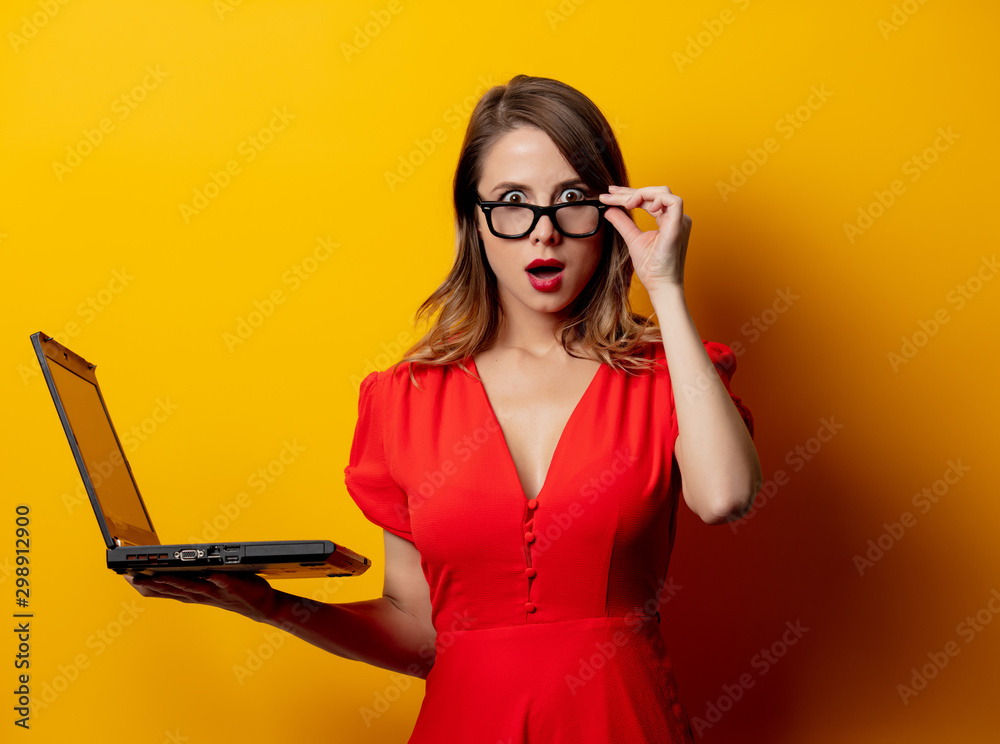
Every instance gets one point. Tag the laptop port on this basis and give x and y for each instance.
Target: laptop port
(189, 554)
(232, 559)
(214, 550)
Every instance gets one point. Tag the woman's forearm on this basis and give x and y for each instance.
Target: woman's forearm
(719, 466)
(374, 631)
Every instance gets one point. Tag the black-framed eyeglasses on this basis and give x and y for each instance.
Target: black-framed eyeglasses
(579, 219)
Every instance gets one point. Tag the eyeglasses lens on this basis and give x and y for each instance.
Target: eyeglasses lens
(515, 220)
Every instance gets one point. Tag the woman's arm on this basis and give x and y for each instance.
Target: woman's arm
(719, 466)
(393, 631)
(715, 453)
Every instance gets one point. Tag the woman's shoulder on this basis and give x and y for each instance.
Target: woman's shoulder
(403, 374)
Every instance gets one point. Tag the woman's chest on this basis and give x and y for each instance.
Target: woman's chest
(467, 463)
(533, 410)
(605, 487)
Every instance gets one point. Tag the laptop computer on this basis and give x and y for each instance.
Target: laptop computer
(132, 543)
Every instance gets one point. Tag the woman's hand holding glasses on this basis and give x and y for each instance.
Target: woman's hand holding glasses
(657, 255)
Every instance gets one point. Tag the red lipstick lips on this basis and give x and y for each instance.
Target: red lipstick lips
(547, 274)
(547, 262)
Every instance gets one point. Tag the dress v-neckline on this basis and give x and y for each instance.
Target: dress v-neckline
(562, 434)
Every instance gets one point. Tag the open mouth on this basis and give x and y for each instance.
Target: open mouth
(545, 272)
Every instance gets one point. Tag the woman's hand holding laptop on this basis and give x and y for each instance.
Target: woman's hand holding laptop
(245, 593)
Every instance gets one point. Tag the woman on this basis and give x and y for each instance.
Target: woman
(525, 459)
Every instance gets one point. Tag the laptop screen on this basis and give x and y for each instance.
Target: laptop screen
(106, 464)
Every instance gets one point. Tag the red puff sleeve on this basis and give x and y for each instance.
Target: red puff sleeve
(725, 364)
(367, 472)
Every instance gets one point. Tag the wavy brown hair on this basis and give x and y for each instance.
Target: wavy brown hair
(470, 314)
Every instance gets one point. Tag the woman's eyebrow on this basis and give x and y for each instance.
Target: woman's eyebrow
(510, 186)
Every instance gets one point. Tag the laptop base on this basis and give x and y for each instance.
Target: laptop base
(279, 559)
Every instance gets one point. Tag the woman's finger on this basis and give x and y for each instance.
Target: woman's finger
(172, 585)
(653, 199)
(629, 189)
(623, 224)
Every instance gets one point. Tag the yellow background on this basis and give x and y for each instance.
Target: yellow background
(368, 85)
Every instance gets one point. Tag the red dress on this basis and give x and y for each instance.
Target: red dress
(546, 609)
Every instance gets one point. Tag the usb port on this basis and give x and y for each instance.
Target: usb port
(232, 559)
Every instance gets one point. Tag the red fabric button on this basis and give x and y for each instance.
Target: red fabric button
(530, 572)
(528, 607)
(532, 503)
(528, 537)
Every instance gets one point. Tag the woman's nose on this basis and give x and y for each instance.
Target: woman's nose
(545, 231)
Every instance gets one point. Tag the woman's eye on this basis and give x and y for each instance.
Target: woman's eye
(573, 195)
(517, 197)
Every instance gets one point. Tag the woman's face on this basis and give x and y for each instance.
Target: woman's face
(525, 166)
